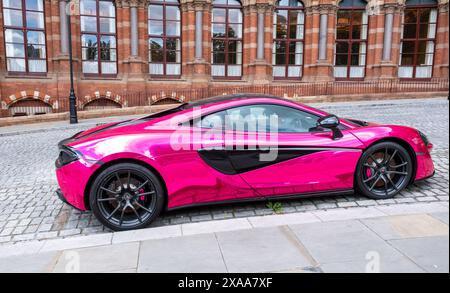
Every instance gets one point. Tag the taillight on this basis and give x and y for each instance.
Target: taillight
(66, 156)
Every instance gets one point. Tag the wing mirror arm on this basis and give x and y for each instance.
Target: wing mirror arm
(331, 122)
(337, 133)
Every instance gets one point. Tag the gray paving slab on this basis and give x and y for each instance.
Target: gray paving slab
(441, 216)
(385, 266)
(430, 253)
(262, 250)
(188, 254)
(146, 234)
(406, 226)
(345, 241)
(418, 208)
(101, 259)
(348, 214)
(216, 226)
(279, 220)
(37, 263)
(76, 242)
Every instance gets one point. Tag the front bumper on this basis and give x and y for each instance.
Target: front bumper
(72, 180)
(425, 166)
(425, 178)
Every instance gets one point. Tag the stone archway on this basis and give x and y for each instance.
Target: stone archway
(29, 107)
(101, 104)
(163, 99)
(166, 101)
(26, 103)
(34, 95)
(100, 101)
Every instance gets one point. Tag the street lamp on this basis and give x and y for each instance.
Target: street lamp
(72, 97)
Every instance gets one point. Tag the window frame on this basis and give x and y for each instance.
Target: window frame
(350, 42)
(24, 28)
(288, 40)
(418, 8)
(164, 36)
(98, 34)
(200, 118)
(226, 39)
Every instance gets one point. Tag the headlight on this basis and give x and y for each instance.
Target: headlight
(66, 156)
(425, 139)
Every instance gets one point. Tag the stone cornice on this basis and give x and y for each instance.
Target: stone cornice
(196, 2)
(443, 7)
(197, 5)
(321, 9)
(257, 2)
(131, 3)
(259, 8)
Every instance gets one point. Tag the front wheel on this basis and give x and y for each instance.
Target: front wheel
(126, 196)
(384, 170)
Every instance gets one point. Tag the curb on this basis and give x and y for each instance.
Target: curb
(342, 214)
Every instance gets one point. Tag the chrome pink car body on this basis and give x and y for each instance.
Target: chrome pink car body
(189, 180)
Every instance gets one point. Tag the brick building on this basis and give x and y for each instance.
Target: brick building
(139, 52)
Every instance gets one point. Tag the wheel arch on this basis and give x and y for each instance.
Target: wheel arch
(405, 145)
(119, 161)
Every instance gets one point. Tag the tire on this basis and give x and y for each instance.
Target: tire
(126, 196)
(381, 176)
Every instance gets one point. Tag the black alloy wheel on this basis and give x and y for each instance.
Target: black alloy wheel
(126, 197)
(384, 170)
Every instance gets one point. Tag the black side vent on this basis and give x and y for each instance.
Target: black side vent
(358, 122)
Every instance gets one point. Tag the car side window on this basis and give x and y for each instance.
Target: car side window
(261, 118)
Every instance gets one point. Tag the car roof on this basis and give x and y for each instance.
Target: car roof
(233, 97)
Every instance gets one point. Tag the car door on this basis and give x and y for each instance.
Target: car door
(295, 157)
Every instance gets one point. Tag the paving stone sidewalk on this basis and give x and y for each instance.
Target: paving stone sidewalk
(410, 238)
(29, 209)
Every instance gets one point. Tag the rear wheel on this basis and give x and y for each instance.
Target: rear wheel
(384, 170)
(126, 196)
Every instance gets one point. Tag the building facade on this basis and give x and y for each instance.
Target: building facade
(145, 46)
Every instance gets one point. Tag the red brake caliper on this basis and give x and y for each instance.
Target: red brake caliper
(142, 198)
(368, 172)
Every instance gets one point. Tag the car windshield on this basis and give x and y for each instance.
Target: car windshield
(200, 103)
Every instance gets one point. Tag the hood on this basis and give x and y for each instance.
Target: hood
(99, 129)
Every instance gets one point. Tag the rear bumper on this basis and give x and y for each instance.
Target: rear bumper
(64, 200)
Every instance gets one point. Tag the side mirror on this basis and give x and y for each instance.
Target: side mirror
(331, 122)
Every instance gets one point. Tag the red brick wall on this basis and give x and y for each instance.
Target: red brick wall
(133, 72)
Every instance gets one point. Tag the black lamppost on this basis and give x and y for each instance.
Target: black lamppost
(72, 97)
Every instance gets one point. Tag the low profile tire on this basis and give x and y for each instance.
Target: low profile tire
(384, 170)
(126, 196)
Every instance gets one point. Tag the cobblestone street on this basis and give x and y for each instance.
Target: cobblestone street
(30, 210)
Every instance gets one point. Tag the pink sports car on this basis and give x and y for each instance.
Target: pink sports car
(233, 148)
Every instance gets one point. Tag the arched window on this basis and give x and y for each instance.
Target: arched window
(226, 39)
(288, 33)
(164, 37)
(98, 37)
(24, 31)
(29, 107)
(418, 39)
(351, 40)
